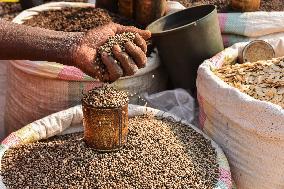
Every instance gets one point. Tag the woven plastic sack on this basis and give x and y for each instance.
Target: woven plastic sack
(70, 121)
(37, 89)
(250, 131)
(240, 27)
(177, 102)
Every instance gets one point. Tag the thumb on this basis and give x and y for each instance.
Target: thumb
(146, 34)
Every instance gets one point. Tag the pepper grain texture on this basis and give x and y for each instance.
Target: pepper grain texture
(106, 97)
(76, 19)
(159, 154)
(262, 80)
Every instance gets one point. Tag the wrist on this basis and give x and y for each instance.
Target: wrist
(72, 41)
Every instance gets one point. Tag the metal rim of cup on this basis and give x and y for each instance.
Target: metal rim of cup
(162, 32)
(253, 42)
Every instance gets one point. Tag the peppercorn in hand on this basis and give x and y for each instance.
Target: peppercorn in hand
(85, 51)
(111, 51)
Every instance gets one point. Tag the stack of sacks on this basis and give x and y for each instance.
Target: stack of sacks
(239, 27)
(243, 27)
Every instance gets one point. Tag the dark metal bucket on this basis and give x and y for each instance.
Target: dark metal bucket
(184, 40)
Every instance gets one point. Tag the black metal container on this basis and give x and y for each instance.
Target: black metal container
(26, 4)
(184, 40)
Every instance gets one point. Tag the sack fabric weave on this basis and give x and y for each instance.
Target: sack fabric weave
(70, 121)
(250, 131)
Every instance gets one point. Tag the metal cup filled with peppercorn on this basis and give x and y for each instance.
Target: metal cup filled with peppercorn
(105, 118)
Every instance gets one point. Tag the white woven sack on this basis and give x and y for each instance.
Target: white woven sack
(250, 131)
(37, 89)
(70, 121)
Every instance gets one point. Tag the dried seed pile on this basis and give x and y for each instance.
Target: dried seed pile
(263, 80)
(9, 10)
(159, 154)
(9, 16)
(106, 97)
(225, 5)
(6, 8)
(74, 19)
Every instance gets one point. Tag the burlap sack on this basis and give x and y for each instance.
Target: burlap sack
(70, 121)
(250, 131)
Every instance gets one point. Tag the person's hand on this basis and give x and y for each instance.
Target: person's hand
(134, 57)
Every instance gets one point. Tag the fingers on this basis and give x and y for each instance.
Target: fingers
(140, 42)
(92, 71)
(137, 54)
(130, 61)
(114, 70)
(146, 34)
(83, 58)
(128, 65)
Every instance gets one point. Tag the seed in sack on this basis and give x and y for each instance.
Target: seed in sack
(263, 80)
(106, 97)
(159, 154)
(75, 19)
(9, 10)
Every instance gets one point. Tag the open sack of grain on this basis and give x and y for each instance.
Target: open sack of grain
(156, 141)
(36, 89)
(241, 108)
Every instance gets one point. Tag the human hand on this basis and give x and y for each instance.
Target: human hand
(85, 53)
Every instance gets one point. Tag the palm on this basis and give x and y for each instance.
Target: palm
(86, 53)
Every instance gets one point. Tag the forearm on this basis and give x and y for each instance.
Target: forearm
(20, 42)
